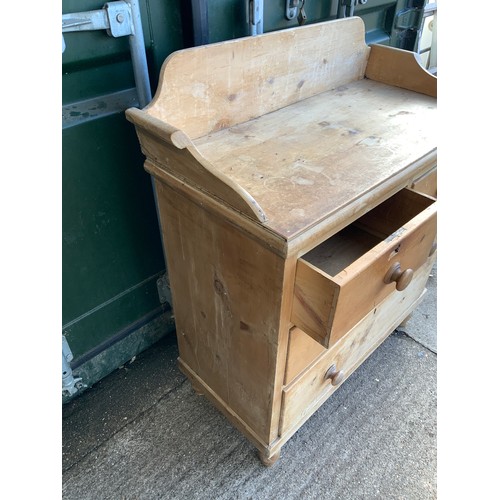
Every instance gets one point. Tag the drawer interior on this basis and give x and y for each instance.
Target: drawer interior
(346, 276)
(342, 249)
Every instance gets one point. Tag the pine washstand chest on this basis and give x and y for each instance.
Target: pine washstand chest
(295, 174)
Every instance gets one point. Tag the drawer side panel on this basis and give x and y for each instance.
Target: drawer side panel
(314, 294)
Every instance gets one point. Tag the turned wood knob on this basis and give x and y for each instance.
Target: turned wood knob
(335, 376)
(400, 277)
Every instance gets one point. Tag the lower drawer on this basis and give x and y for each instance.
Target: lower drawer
(309, 390)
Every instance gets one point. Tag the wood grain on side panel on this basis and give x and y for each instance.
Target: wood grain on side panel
(227, 294)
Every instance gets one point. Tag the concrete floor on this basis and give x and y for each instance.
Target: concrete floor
(142, 433)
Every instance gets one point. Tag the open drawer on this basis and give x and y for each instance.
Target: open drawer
(344, 278)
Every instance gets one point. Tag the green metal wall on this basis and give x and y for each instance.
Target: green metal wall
(229, 18)
(112, 253)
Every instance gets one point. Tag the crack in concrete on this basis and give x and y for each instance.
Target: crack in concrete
(141, 414)
(406, 334)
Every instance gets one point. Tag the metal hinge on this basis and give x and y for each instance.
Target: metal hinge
(409, 19)
(70, 384)
(163, 285)
(408, 25)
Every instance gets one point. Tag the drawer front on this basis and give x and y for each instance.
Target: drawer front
(329, 300)
(309, 390)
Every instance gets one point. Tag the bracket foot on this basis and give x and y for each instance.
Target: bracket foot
(269, 461)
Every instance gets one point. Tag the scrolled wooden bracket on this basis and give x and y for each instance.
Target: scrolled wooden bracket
(151, 124)
(186, 163)
(400, 68)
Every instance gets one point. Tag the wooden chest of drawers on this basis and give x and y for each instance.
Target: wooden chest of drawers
(295, 177)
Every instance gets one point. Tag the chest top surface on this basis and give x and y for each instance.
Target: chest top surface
(310, 159)
(292, 126)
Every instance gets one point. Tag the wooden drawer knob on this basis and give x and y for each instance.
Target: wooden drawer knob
(335, 376)
(400, 277)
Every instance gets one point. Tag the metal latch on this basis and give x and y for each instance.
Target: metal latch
(119, 18)
(114, 17)
(346, 7)
(293, 10)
